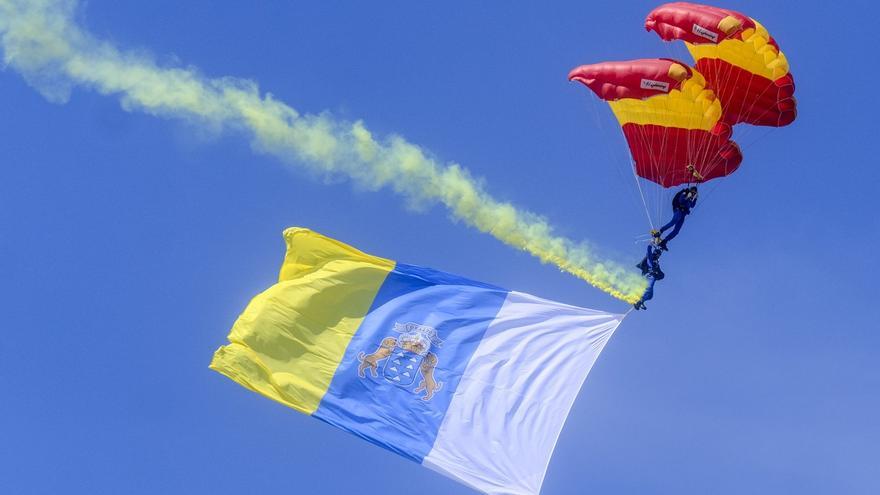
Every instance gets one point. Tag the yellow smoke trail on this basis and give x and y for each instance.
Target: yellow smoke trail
(41, 41)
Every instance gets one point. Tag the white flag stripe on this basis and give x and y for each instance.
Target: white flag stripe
(503, 422)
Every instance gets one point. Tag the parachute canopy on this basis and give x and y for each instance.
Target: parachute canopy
(671, 121)
(741, 62)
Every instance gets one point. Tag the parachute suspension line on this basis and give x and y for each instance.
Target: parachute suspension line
(677, 52)
(699, 149)
(704, 150)
(655, 166)
(746, 130)
(642, 194)
(642, 136)
(751, 128)
(707, 190)
(710, 166)
(659, 146)
(659, 165)
(616, 161)
(664, 196)
(745, 133)
(650, 203)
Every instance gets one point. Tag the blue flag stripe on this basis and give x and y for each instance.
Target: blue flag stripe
(386, 409)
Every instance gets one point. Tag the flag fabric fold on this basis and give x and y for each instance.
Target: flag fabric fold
(468, 379)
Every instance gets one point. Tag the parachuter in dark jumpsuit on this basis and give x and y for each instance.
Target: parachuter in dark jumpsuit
(682, 203)
(650, 267)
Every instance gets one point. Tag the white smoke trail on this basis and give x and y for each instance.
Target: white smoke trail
(41, 41)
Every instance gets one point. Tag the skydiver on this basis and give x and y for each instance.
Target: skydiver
(682, 203)
(650, 267)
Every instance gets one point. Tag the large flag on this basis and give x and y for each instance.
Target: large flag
(466, 378)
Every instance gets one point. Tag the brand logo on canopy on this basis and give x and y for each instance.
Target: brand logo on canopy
(655, 85)
(705, 33)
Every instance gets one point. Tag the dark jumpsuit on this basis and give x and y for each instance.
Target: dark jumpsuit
(650, 267)
(681, 207)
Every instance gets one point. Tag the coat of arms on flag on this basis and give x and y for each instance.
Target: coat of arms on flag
(405, 358)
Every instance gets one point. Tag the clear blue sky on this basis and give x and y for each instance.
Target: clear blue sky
(129, 244)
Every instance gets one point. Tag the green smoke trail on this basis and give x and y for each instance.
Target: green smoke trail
(41, 41)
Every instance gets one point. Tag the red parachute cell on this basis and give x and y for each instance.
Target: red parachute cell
(670, 120)
(741, 62)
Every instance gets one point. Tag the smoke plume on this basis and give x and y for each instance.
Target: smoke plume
(41, 41)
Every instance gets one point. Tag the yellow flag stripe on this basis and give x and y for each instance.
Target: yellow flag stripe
(290, 340)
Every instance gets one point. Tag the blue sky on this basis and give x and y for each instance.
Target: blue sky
(129, 244)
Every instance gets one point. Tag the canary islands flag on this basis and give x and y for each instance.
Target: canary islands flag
(466, 378)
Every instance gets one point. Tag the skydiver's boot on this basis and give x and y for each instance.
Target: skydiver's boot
(643, 266)
(639, 305)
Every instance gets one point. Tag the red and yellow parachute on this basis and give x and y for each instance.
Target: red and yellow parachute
(671, 122)
(677, 119)
(741, 62)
